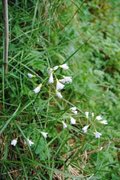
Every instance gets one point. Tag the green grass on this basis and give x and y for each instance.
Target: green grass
(43, 34)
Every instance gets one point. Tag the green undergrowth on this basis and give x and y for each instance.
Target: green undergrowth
(85, 35)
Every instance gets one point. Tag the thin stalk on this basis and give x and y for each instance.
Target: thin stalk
(6, 35)
(6, 44)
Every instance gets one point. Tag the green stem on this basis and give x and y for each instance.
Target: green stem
(6, 35)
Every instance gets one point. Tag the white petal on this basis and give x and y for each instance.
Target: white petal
(101, 148)
(73, 108)
(55, 68)
(66, 79)
(72, 120)
(104, 122)
(59, 95)
(30, 75)
(99, 118)
(44, 134)
(87, 114)
(59, 86)
(50, 70)
(62, 81)
(51, 80)
(75, 112)
(14, 142)
(97, 134)
(85, 128)
(30, 142)
(64, 124)
(37, 89)
(64, 66)
(92, 114)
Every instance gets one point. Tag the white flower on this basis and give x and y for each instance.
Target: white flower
(50, 70)
(101, 148)
(87, 114)
(99, 118)
(29, 142)
(74, 110)
(59, 95)
(72, 120)
(44, 134)
(104, 122)
(30, 75)
(66, 79)
(64, 124)
(51, 80)
(97, 134)
(37, 89)
(92, 114)
(59, 86)
(14, 142)
(64, 66)
(55, 68)
(85, 128)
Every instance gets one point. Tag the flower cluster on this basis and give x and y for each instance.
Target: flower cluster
(98, 118)
(60, 83)
(15, 141)
(72, 119)
(28, 141)
(73, 111)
